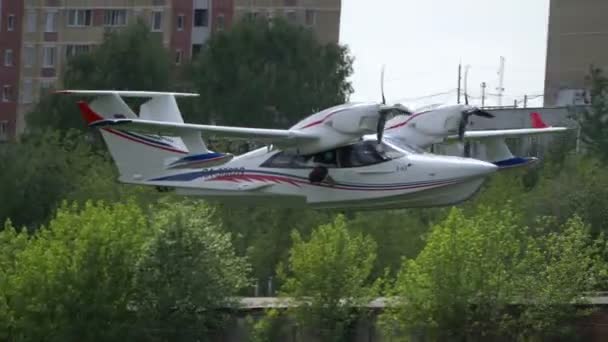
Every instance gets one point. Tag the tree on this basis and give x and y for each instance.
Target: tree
(263, 235)
(328, 277)
(398, 233)
(486, 276)
(129, 59)
(12, 243)
(594, 120)
(42, 170)
(187, 276)
(75, 278)
(268, 74)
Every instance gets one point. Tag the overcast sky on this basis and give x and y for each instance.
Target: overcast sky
(422, 41)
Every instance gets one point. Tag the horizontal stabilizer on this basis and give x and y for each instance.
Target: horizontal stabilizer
(124, 93)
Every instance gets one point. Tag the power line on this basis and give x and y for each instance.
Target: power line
(427, 96)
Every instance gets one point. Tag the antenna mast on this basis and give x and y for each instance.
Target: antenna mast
(501, 80)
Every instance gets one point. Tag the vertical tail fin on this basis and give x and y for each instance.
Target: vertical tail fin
(138, 157)
(537, 121)
(144, 156)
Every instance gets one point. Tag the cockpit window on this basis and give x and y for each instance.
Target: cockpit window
(360, 154)
(403, 145)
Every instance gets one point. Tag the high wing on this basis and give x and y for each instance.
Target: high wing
(505, 133)
(124, 93)
(274, 136)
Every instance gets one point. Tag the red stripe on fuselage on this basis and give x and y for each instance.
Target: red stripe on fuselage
(109, 130)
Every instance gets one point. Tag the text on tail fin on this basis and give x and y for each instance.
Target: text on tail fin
(537, 121)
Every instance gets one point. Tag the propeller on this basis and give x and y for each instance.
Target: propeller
(387, 110)
(467, 113)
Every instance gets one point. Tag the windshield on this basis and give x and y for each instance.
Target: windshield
(401, 144)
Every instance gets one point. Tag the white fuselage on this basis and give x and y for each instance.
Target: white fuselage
(409, 179)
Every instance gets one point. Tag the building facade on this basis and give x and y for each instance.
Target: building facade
(38, 36)
(322, 16)
(577, 38)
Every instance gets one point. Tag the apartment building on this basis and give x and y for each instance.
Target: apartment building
(577, 38)
(38, 36)
(322, 16)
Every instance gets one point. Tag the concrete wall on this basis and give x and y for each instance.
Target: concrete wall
(577, 37)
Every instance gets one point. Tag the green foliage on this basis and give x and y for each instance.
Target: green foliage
(42, 170)
(579, 188)
(130, 59)
(487, 275)
(329, 278)
(12, 243)
(594, 120)
(271, 327)
(188, 273)
(399, 234)
(268, 75)
(263, 234)
(74, 280)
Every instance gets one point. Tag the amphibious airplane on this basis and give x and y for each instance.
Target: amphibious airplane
(355, 155)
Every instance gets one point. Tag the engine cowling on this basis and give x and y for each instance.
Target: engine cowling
(338, 126)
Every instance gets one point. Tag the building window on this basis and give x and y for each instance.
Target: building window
(10, 22)
(79, 17)
(31, 21)
(7, 93)
(74, 50)
(178, 57)
(220, 22)
(157, 21)
(180, 22)
(201, 18)
(49, 25)
(196, 48)
(290, 3)
(8, 57)
(291, 16)
(46, 85)
(48, 56)
(27, 92)
(3, 130)
(115, 17)
(311, 17)
(29, 53)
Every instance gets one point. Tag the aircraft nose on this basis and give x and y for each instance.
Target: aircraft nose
(481, 168)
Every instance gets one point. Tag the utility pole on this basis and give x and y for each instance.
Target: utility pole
(525, 101)
(483, 94)
(501, 80)
(514, 103)
(459, 78)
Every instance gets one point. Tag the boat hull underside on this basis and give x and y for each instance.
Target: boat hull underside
(444, 195)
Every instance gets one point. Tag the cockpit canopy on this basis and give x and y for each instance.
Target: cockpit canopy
(363, 153)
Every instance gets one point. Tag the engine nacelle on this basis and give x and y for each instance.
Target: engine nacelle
(439, 122)
(338, 126)
(427, 128)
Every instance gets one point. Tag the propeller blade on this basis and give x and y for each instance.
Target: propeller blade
(380, 127)
(483, 113)
(462, 125)
(382, 85)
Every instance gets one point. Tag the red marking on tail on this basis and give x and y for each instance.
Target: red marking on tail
(87, 113)
(537, 121)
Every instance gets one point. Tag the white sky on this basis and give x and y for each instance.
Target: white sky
(422, 41)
